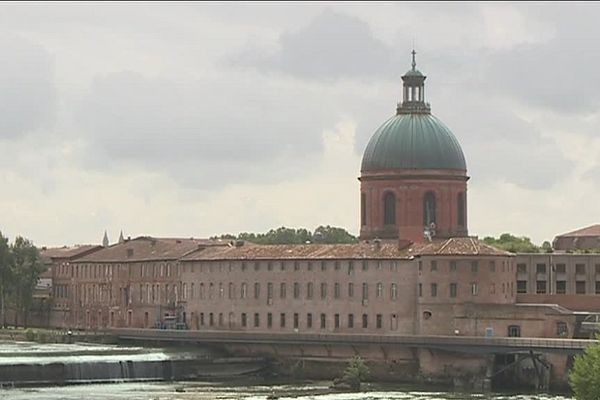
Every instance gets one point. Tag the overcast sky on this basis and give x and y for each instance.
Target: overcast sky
(193, 119)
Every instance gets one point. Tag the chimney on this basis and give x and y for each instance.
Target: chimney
(377, 243)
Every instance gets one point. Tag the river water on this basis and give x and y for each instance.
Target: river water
(214, 391)
(35, 358)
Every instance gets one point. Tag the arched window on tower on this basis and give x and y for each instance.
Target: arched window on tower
(461, 209)
(429, 209)
(363, 209)
(389, 209)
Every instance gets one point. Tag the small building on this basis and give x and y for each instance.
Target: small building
(587, 238)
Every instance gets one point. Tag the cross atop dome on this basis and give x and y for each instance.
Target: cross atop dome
(414, 62)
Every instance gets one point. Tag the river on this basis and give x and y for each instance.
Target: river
(228, 391)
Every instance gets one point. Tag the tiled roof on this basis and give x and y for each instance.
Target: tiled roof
(461, 246)
(592, 230)
(250, 251)
(68, 252)
(385, 250)
(146, 248)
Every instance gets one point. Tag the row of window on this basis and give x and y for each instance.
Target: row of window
(559, 268)
(297, 265)
(429, 209)
(507, 288)
(309, 321)
(474, 265)
(541, 287)
(307, 290)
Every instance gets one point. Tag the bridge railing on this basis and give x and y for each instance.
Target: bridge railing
(335, 338)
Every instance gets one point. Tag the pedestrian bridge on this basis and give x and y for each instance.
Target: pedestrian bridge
(461, 344)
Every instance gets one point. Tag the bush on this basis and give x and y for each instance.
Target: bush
(355, 373)
(585, 375)
(30, 334)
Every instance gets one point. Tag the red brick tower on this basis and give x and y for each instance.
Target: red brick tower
(413, 174)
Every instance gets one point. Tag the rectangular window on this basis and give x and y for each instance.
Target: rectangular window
(433, 266)
(420, 290)
(201, 319)
(561, 329)
(580, 269)
(323, 321)
(336, 265)
(310, 266)
(296, 320)
(365, 291)
(394, 291)
(379, 291)
(561, 287)
(453, 288)
(365, 321)
(211, 319)
(540, 268)
(221, 321)
(296, 290)
(269, 320)
(452, 265)
(270, 290)
(256, 320)
(282, 291)
(580, 287)
(492, 266)
(270, 266)
(282, 320)
(365, 265)
(597, 287)
(521, 287)
(434, 290)
(296, 265)
(379, 321)
(561, 268)
(244, 321)
(336, 290)
(474, 266)
(309, 290)
(256, 265)
(309, 320)
(282, 265)
(597, 269)
(336, 321)
(540, 287)
(323, 265)
(521, 268)
(257, 290)
(474, 289)
(350, 320)
(323, 291)
(351, 290)
(350, 267)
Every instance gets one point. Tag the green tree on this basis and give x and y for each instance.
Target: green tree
(355, 373)
(6, 276)
(332, 234)
(28, 266)
(282, 235)
(547, 247)
(513, 244)
(585, 375)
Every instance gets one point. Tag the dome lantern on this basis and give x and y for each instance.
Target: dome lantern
(413, 100)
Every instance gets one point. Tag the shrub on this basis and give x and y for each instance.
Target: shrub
(30, 334)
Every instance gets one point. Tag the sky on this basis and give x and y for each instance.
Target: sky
(197, 119)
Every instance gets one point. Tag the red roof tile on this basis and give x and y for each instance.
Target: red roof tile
(592, 230)
(146, 248)
(68, 252)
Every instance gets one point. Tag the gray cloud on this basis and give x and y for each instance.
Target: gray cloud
(211, 131)
(331, 46)
(27, 91)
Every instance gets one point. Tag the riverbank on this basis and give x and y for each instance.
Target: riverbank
(42, 335)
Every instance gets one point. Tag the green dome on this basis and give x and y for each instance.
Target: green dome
(413, 141)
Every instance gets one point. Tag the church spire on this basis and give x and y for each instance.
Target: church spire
(121, 239)
(105, 241)
(413, 99)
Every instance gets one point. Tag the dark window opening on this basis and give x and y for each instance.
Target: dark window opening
(389, 209)
(429, 209)
(514, 331)
(461, 209)
(363, 209)
(561, 287)
(522, 287)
